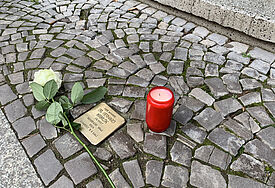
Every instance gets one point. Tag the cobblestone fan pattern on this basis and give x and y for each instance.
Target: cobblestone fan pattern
(222, 133)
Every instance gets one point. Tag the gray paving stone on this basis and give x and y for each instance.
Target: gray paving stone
(120, 104)
(227, 106)
(214, 58)
(238, 129)
(267, 136)
(138, 61)
(103, 154)
(128, 66)
(47, 130)
(250, 98)
(232, 83)
(177, 82)
(211, 70)
(249, 84)
(250, 72)
(136, 92)
(32, 148)
(216, 86)
(238, 58)
(80, 168)
(220, 158)
(219, 39)
(67, 145)
(135, 131)
(209, 118)
(203, 153)
(183, 115)
(234, 65)
(192, 38)
(202, 96)
(24, 126)
(175, 67)
(6, 94)
(159, 80)
(194, 132)
(201, 31)
(135, 80)
(213, 178)
(267, 95)
(250, 166)
(271, 180)
(237, 182)
(82, 61)
(155, 144)
(248, 122)
(175, 176)
(134, 173)
(48, 167)
(181, 53)
(139, 110)
(95, 183)
(237, 47)
(122, 145)
(181, 154)
(15, 110)
(95, 83)
(264, 55)
(118, 179)
(54, 44)
(192, 103)
(157, 68)
(260, 114)
(153, 172)
(63, 182)
(103, 65)
(28, 99)
(38, 53)
(226, 140)
(118, 72)
(260, 66)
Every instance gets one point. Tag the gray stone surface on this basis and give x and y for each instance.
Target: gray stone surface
(31, 148)
(15, 110)
(181, 154)
(250, 166)
(95, 183)
(237, 181)
(175, 176)
(261, 151)
(67, 145)
(24, 126)
(227, 106)
(118, 179)
(216, 86)
(205, 176)
(153, 172)
(6, 94)
(62, 182)
(202, 96)
(155, 144)
(48, 167)
(103, 154)
(226, 140)
(196, 133)
(238, 129)
(183, 114)
(135, 131)
(267, 136)
(209, 118)
(80, 168)
(133, 171)
(260, 114)
(15, 166)
(122, 145)
(250, 98)
(192, 103)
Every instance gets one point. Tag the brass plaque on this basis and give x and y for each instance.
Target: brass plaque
(99, 122)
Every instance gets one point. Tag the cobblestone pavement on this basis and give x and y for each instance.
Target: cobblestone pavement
(222, 133)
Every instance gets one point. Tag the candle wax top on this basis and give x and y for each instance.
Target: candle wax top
(161, 95)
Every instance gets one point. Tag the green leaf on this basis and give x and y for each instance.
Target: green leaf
(94, 96)
(50, 89)
(65, 102)
(77, 93)
(52, 115)
(37, 91)
(42, 105)
(63, 119)
(76, 126)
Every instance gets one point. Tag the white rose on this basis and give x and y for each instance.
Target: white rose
(43, 76)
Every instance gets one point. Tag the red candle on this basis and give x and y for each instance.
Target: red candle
(160, 101)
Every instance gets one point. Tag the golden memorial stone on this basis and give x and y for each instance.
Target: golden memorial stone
(99, 122)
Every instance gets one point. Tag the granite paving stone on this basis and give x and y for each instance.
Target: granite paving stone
(250, 98)
(227, 106)
(80, 168)
(183, 114)
(199, 177)
(192, 103)
(216, 86)
(194, 132)
(232, 83)
(155, 144)
(261, 115)
(134, 173)
(31, 148)
(103, 154)
(175, 176)
(120, 104)
(267, 136)
(153, 172)
(122, 144)
(63, 182)
(48, 167)
(67, 145)
(181, 154)
(24, 126)
(15, 110)
(6, 94)
(135, 131)
(47, 130)
(226, 140)
(118, 179)
(95, 183)
(202, 96)
(238, 181)
(209, 118)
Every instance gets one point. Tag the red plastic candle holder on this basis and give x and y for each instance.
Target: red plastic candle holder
(159, 108)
